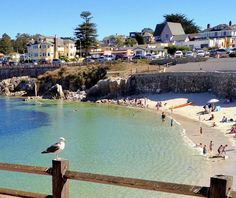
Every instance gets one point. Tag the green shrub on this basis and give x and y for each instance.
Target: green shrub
(172, 49)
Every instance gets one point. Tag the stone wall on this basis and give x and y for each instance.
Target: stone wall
(220, 83)
(9, 72)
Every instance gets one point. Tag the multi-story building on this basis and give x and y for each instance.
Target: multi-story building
(223, 35)
(48, 48)
(40, 50)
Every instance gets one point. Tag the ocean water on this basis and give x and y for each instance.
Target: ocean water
(101, 139)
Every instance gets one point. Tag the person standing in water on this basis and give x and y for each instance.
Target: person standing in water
(171, 122)
(163, 116)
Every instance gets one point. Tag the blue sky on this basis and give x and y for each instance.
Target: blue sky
(60, 17)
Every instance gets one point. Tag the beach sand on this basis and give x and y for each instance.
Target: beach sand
(188, 117)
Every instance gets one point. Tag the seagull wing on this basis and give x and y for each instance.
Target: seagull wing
(55, 147)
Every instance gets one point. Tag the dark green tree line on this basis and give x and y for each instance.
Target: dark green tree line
(189, 25)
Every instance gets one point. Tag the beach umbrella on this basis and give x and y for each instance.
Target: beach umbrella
(213, 100)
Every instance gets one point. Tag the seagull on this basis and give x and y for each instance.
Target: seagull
(56, 148)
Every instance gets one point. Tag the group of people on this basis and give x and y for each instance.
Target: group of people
(137, 102)
(221, 151)
(209, 108)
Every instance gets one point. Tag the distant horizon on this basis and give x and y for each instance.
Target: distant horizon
(61, 18)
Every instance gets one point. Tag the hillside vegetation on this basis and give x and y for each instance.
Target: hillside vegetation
(74, 78)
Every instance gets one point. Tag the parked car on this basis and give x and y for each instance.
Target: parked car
(232, 50)
(57, 61)
(13, 63)
(34, 62)
(46, 62)
(109, 57)
(88, 60)
(189, 54)
(212, 53)
(100, 59)
(138, 56)
(151, 56)
(178, 54)
(200, 53)
(222, 53)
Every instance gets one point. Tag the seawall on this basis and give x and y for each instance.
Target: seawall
(9, 72)
(222, 84)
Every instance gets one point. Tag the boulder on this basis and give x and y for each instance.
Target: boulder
(55, 92)
(110, 88)
(24, 85)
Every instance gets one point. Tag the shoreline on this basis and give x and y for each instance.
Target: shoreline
(191, 126)
(188, 119)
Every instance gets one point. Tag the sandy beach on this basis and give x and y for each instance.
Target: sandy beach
(188, 117)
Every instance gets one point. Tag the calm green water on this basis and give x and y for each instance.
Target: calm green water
(100, 139)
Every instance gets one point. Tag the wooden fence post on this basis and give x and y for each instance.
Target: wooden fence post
(221, 186)
(60, 185)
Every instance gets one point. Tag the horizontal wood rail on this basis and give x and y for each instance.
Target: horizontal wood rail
(18, 193)
(25, 169)
(220, 185)
(183, 189)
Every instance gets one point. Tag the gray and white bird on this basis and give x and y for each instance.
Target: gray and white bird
(56, 148)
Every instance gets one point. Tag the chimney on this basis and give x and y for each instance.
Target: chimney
(55, 47)
(208, 25)
(230, 23)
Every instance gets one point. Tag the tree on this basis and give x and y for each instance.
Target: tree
(130, 42)
(6, 46)
(20, 44)
(189, 26)
(115, 40)
(86, 33)
(139, 39)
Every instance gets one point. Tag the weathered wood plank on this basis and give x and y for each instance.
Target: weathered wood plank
(221, 186)
(60, 184)
(25, 169)
(182, 189)
(18, 193)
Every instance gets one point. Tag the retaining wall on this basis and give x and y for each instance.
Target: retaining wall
(222, 84)
(9, 72)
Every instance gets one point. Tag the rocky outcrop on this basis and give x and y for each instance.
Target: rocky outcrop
(108, 88)
(18, 86)
(55, 92)
(79, 95)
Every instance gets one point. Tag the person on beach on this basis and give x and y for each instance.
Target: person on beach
(223, 151)
(204, 150)
(219, 150)
(163, 116)
(200, 130)
(212, 117)
(213, 124)
(211, 147)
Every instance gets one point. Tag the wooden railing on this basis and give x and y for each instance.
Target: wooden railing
(220, 185)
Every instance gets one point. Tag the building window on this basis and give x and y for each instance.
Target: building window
(167, 36)
(224, 33)
(216, 34)
(48, 53)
